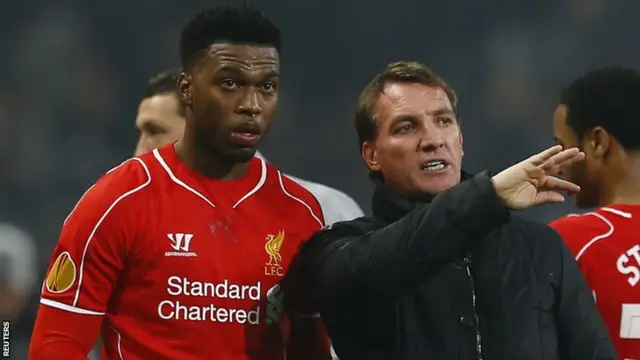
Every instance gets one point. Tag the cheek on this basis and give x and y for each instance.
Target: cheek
(393, 157)
(578, 173)
(174, 135)
(454, 143)
(394, 150)
(213, 107)
(270, 107)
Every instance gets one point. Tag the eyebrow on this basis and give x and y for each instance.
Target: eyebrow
(230, 69)
(149, 122)
(443, 111)
(237, 71)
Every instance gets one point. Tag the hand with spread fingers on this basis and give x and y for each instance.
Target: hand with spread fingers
(532, 182)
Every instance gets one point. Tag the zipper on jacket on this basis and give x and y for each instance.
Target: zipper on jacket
(467, 261)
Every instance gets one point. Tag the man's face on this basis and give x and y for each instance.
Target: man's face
(418, 148)
(232, 95)
(159, 122)
(585, 173)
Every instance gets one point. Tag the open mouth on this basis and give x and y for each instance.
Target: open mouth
(434, 165)
(250, 128)
(246, 134)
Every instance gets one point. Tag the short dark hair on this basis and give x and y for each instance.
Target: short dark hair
(397, 72)
(165, 82)
(608, 97)
(162, 83)
(234, 24)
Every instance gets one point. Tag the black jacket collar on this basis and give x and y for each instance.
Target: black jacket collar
(390, 206)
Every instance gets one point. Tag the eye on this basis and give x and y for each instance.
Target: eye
(268, 87)
(229, 84)
(443, 120)
(153, 130)
(406, 128)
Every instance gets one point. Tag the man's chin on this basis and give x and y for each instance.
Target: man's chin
(241, 155)
(429, 189)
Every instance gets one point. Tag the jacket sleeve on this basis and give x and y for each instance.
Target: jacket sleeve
(343, 260)
(582, 333)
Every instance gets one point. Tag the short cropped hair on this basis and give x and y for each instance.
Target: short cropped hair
(397, 72)
(233, 24)
(165, 82)
(608, 97)
(162, 83)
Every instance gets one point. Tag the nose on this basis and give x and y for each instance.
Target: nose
(250, 103)
(431, 138)
(143, 146)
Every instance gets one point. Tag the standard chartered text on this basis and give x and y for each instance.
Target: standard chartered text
(179, 308)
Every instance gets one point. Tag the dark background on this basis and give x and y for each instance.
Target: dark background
(72, 73)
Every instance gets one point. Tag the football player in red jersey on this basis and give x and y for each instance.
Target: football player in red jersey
(600, 113)
(171, 254)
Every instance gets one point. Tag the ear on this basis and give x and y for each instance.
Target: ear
(461, 142)
(370, 155)
(599, 140)
(184, 88)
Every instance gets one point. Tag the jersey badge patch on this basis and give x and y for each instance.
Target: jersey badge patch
(62, 275)
(273, 267)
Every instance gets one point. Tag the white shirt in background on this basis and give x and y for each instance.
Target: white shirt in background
(336, 205)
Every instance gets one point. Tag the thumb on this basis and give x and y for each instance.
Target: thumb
(548, 197)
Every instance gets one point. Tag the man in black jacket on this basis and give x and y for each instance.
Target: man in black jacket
(454, 275)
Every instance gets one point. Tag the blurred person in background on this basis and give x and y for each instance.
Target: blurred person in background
(158, 256)
(18, 267)
(160, 122)
(443, 270)
(599, 113)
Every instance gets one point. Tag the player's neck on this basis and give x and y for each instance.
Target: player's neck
(626, 189)
(209, 164)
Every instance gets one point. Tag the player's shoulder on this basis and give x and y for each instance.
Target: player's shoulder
(324, 192)
(294, 188)
(126, 180)
(129, 176)
(335, 204)
(298, 194)
(587, 223)
(133, 171)
(580, 230)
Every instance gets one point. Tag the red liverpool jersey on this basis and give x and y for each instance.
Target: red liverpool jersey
(606, 244)
(179, 264)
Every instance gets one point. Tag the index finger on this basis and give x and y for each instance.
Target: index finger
(541, 157)
(564, 157)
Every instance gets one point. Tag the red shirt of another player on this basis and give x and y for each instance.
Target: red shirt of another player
(606, 244)
(178, 264)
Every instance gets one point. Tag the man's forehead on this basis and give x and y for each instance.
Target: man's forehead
(395, 91)
(158, 108)
(397, 96)
(161, 103)
(259, 54)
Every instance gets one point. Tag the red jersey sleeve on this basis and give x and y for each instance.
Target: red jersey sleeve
(86, 264)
